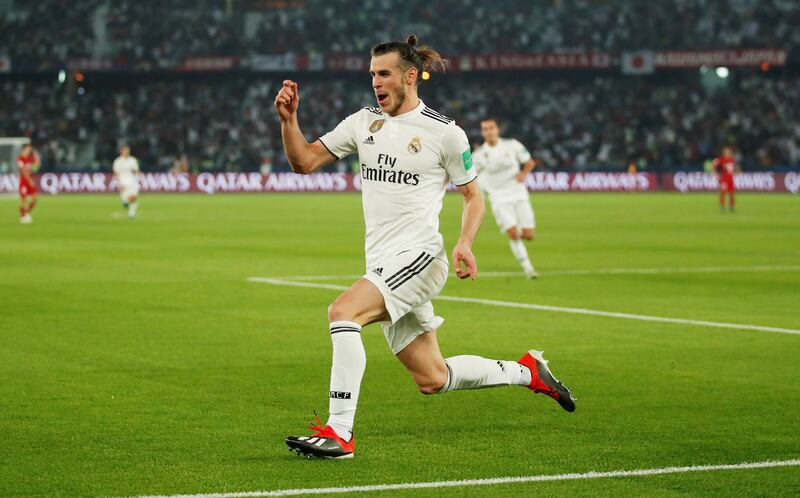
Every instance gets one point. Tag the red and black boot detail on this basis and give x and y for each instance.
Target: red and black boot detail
(543, 381)
(324, 443)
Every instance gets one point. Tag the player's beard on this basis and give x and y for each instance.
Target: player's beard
(399, 98)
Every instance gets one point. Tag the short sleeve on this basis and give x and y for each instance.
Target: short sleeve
(115, 167)
(341, 141)
(521, 152)
(135, 164)
(457, 156)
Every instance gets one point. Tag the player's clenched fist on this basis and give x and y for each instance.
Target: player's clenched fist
(287, 100)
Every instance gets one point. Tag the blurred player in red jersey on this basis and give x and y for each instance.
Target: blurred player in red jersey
(27, 163)
(725, 168)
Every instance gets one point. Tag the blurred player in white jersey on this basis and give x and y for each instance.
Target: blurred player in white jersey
(498, 163)
(408, 154)
(126, 173)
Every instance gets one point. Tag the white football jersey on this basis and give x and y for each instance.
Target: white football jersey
(498, 168)
(126, 169)
(407, 162)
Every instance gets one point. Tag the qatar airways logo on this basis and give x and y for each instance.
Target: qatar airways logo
(385, 172)
(752, 182)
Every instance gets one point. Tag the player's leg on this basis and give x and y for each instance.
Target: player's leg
(433, 374)
(123, 196)
(505, 216)
(529, 234)
(526, 220)
(23, 209)
(358, 306)
(133, 205)
(723, 190)
(31, 202)
(731, 199)
(520, 251)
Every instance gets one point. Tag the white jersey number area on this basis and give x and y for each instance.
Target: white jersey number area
(406, 163)
(498, 168)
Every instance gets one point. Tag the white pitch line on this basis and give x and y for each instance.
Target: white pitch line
(290, 283)
(492, 481)
(700, 269)
(598, 271)
(557, 309)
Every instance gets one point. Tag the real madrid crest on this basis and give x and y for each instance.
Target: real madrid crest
(376, 125)
(415, 145)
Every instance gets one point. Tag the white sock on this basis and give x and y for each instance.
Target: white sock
(521, 253)
(475, 372)
(132, 208)
(349, 362)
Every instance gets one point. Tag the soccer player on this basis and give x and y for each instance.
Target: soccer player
(725, 168)
(408, 153)
(498, 163)
(126, 173)
(27, 164)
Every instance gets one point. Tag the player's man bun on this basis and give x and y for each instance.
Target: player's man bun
(422, 57)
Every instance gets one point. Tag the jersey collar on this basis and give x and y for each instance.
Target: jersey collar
(407, 115)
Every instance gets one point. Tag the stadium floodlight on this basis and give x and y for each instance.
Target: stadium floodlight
(62, 76)
(723, 72)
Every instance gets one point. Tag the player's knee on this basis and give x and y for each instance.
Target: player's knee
(430, 387)
(336, 312)
(431, 384)
(528, 233)
(513, 233)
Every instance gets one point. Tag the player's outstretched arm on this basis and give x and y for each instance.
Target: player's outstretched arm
(471, 219)
(526, 168)
(303, 157)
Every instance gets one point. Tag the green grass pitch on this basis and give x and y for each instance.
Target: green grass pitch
(136, 359)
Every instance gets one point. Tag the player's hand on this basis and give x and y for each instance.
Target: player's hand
(287, 100)
(521, 177)
(463, 254)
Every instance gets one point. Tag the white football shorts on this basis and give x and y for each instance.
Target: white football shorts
(127, 189)
(514, 214)
(408, 281)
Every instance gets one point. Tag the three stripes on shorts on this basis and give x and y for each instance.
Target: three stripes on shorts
(408, 271)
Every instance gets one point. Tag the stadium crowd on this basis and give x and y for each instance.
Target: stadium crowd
(161, 34)
(577, 122)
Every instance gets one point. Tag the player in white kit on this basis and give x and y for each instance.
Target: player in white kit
(498, 162)
(126, 173)
(408, 153)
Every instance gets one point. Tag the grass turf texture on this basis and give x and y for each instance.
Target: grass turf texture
(136, 359)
